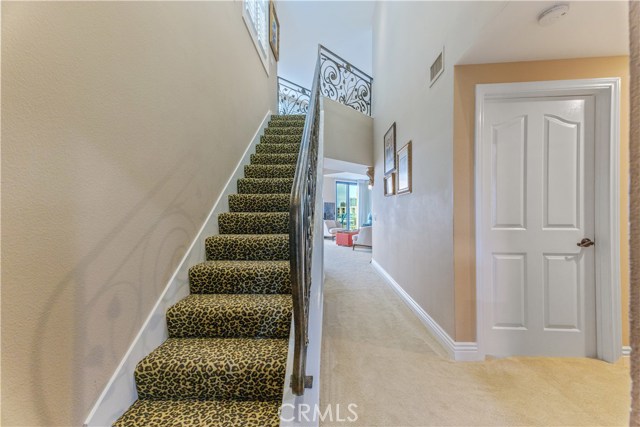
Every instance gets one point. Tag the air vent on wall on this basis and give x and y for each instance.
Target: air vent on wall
(436, 68)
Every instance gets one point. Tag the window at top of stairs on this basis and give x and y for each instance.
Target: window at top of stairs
(255, 17)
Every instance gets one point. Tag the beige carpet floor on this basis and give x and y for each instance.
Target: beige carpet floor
(377, 355)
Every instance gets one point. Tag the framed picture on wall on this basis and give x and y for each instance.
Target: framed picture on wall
(274, 31)
(404, 169)
(390, 150)
(390, 184)
(329, 211)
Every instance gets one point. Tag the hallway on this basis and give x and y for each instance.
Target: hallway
(378, 355)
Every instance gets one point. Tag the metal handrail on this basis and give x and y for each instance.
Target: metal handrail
(334, 78)
(301, 221)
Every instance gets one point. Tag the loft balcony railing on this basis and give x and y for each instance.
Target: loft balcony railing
(339, 80)
(343, 82)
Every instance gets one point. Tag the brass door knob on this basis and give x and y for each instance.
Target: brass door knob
(585, 243)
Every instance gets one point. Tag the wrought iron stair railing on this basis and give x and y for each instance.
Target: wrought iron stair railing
(292, 98)
(334, 78)
(301, 226)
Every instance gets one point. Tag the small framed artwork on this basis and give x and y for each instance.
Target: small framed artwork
(404, 169)
(390, 184)
(274, 31)
(329, 211)
(390, 150)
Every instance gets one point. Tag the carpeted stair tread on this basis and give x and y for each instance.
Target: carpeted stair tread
(253, 223)
(284, 131)
(250, 247)
(286, 123)
(265, 185)
(277, 148)
(259, 202)
(270, 171)
(240, 277)
(274, 159)
(288, 117)
(201, 413)
(214, 368)
(280, 139)
(231, 316)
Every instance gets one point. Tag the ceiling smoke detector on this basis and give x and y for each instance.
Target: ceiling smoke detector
(553, 14)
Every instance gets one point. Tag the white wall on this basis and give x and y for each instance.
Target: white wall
(122, 122)
(413, 239)
(344, 27)
(348, 134)
(329, 190)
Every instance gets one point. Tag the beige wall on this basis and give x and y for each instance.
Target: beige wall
(413, 238)
(122, 122)
(466, 77)
(348, 134)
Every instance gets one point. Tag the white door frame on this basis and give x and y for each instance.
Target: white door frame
(607, 199)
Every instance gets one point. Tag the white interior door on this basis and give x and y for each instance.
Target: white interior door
(537, 181)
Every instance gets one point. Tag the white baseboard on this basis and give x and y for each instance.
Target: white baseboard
(626, 350)
(459, 351)
(120, 391)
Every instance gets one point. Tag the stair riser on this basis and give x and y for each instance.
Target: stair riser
(280, 139)
(164, 413)
(277, 148)
(256, 278)
(264, 186)
(286, 117)
(250, 248)
(284, 131)
(257, 376)
(251, 321)
(269, 171)
(259, 202)
(286, 123)
(274, 159)
(260, 223)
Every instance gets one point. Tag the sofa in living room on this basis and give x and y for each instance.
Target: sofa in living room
(363, 238)
(331, 228)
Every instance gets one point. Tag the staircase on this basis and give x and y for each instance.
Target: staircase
(224, 361)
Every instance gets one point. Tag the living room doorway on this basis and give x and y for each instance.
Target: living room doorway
(347, 204)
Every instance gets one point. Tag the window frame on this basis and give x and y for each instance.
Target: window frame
(262, 51)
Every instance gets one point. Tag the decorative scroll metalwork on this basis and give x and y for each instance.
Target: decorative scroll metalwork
(301, 227)
(343, 82)
(292, 98)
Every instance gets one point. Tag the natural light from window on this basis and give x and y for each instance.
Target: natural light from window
(255, 16)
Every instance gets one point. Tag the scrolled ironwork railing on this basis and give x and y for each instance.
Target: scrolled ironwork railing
(292, 98)
(301, 230)
(343, 82)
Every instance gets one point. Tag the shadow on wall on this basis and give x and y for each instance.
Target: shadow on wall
(154, 255)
